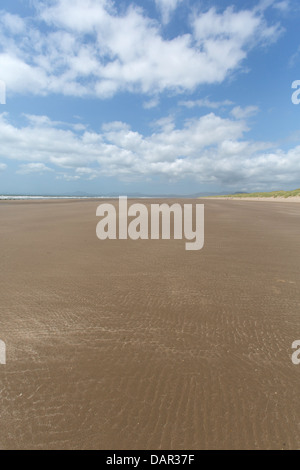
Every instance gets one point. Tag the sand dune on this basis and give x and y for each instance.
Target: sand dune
(260, 199)
(143, 345)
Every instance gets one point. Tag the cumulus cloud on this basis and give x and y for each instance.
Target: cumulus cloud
(209, 149)
(150, 104)
(282, 6)
(44, 121)
(205, 103)
(226, 37)
(166, 8)
(87, 173)
(89, 48)
(13, 23)
(294, 59)
(243, 113)
(29, 168)
(67, 177)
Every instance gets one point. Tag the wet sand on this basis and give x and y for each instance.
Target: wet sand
(143, 345)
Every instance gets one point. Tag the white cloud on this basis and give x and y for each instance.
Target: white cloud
(294, 59)
(244, 113)
(282, 6)
(226, 37)
(13, 23)
(44, 121)
(89, 48)
(67, 177)
(207, 149)
(166, 7)
(21, 77)
(88, 173)
(29, 168)
(3, 167)
(205, 103)
(150, 104)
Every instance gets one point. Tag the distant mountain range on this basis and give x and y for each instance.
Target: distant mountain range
(81, 194)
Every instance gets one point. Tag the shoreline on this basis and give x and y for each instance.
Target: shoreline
(41, 199)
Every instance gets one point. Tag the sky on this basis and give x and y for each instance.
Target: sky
(151, 97)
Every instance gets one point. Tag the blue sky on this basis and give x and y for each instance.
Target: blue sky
(153, 96)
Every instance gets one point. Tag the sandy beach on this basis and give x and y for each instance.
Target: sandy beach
(142, 345)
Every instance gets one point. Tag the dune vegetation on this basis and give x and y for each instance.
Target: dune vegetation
(274, 194)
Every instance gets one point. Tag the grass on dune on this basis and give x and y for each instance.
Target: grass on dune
(273, 194)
